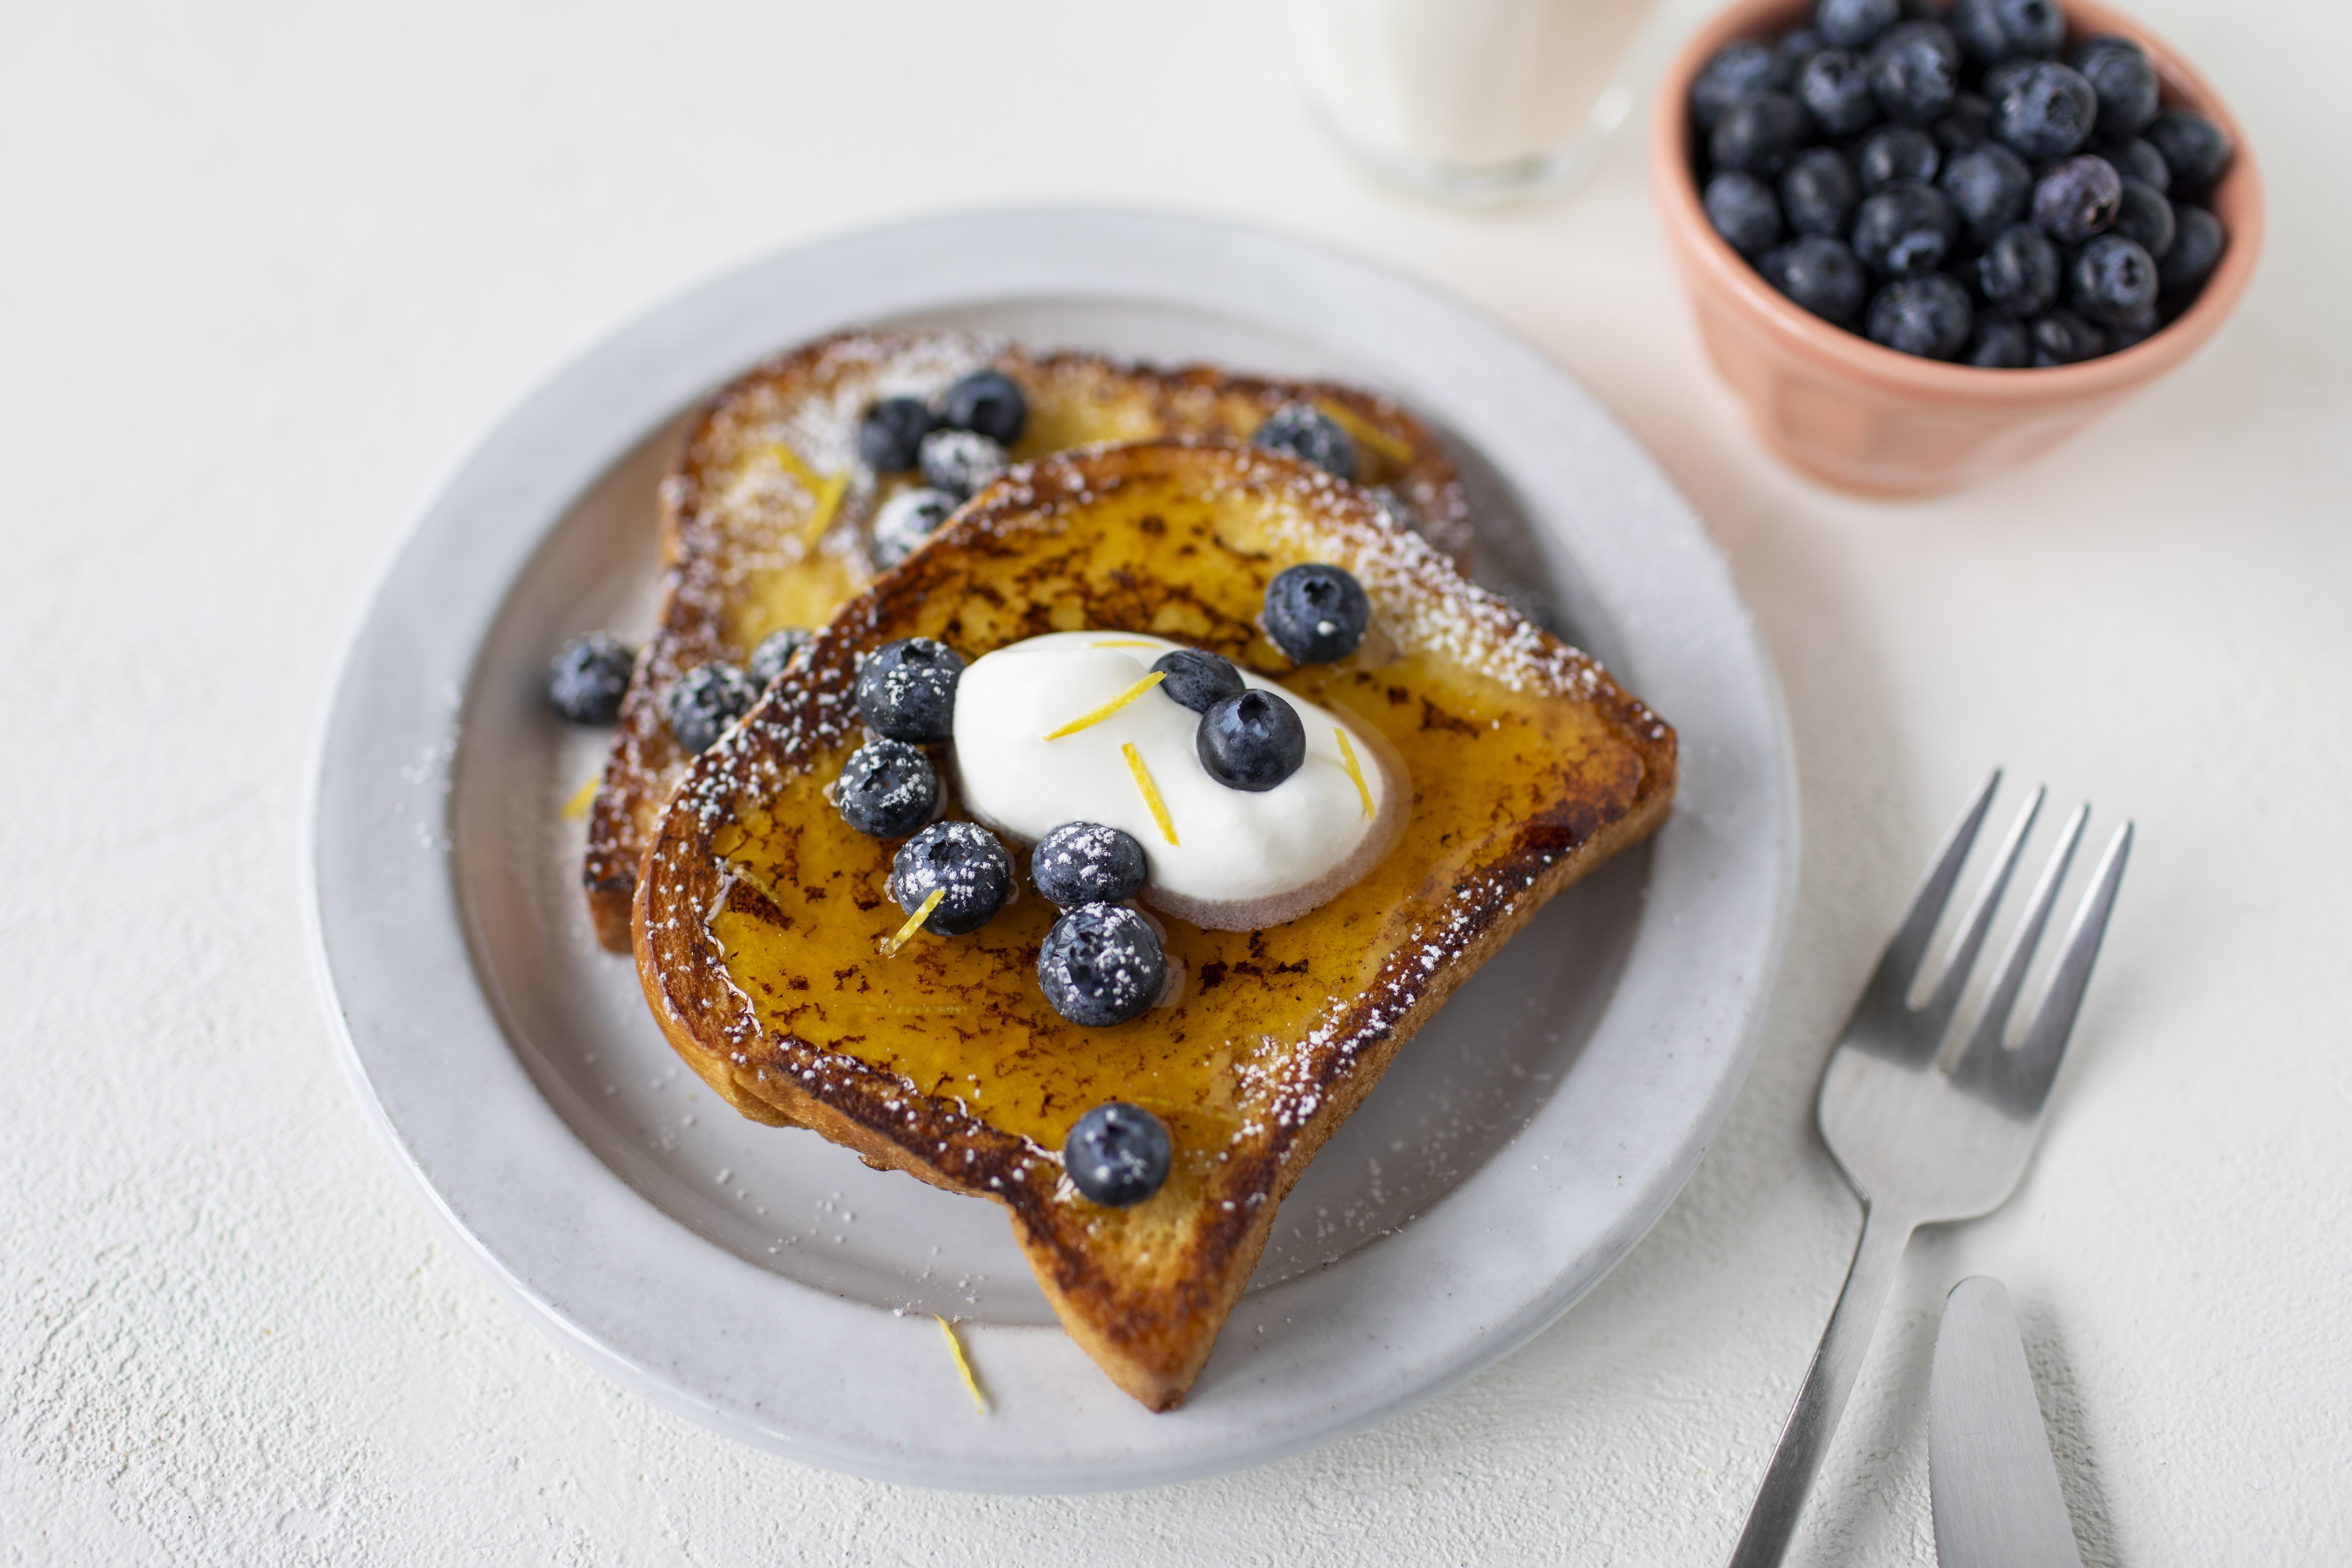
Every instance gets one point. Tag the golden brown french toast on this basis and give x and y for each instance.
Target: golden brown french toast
(761, 919)
(767, 519)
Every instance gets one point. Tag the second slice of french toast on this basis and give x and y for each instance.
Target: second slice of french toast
(767, 517)
(762, 917)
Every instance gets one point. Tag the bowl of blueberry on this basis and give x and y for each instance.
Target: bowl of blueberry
(1926, 243)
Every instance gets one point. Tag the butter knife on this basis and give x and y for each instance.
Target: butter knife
(1990, 1478)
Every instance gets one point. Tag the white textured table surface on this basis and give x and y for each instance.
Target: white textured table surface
(268, 271)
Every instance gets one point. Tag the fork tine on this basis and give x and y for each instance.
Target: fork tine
(2019, 1082)
(1890, 982)
(1936, 1013)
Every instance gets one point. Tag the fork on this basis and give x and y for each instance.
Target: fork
(1920, 1145)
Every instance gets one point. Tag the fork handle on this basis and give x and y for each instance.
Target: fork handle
(1828, 1382)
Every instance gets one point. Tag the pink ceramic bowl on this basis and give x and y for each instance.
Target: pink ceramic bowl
(1867, 418)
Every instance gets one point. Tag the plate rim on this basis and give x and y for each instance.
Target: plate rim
(579, 421)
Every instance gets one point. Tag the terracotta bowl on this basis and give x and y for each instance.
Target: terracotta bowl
(1866, 418)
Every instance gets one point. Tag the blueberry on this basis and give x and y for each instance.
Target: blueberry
(2062, 337)
(906, 521)
(1743, 210)
(960, 861)
(887, 789)
(1904, 229)
(703, 704)
(1820, 274)
(1834, 87)
(2194, 148)
(1252, 742)
(1316, 613)
(1758, 134)
(1118, 1155)
(2136, 331)
(905, 691)
(1198, 680)
(1086, 863)
(2018, 272)
(1794, 50)
(1999, 343)
(1915, 69)
(2120, 72)
(1819, 192)
(1989, 186)
(1101, 965)
(1895, 152)
(1968, 125)
(1854, 24)
(2115, 281)
(961, 461)
(1735, 71)
(987, 403)
(1303, 431)
(775, 651)
(2135, 158)
(1927, 315)
(2145, 215)
(1997, 30)
(2198, 241)
(2044, 110)
(891, 435)
(2077, 198)
(589, 677)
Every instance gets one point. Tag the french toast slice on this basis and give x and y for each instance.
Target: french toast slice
(761, 915)
(766, 518)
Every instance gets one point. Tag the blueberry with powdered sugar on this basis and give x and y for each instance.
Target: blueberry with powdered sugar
(589, 678)
(710, 698)
(1316, 612)
(905, 691)
(1088, 863)
(887, 789)
(961, 461)
(960, 861)
(906, 521)
(1303, 431)
(1101, 965)
(775, 651)
(1118, 1155)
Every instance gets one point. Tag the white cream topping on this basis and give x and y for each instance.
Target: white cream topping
(1234, 846)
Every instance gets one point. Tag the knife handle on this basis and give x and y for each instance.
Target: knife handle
(1805, 1440)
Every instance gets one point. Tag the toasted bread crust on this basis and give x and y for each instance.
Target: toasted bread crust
(730, 537)
(1151, 1321)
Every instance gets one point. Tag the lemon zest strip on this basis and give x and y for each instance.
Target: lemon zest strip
(826, 492)
(1097, 715)
(582, 798)
(1124, 642)
(1394, 449)
(914, 922)
(964, 1364)
(1355, 771)
(1150, 791)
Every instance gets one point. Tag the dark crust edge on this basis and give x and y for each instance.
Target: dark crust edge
(1151, 1344)
(644, 763)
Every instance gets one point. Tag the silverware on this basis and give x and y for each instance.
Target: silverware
(1920, 1145)
(1990, 1474)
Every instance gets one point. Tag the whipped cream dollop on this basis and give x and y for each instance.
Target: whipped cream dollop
(1240, 858)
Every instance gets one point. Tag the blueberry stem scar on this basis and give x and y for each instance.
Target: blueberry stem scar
(1150, 791)
(582, 798)
(1097, 715)
(826, 492)
(1367, 433)
(914, 922)
(1355, 771)
(964, 1364)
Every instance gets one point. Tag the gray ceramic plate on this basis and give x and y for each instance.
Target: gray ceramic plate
(766, 1283)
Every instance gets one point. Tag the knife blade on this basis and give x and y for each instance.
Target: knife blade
(1991, 1481)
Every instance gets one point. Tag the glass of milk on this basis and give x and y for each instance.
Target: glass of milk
(1471, 99)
